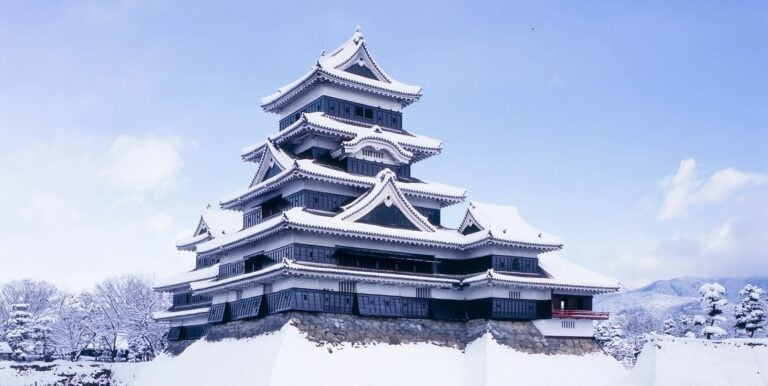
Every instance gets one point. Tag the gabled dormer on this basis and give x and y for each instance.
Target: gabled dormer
(213, 223)
(273, 161)
(385, 204)
(504, 224)
(373, 147)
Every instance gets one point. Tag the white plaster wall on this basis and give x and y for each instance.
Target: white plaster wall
(572, 292)
(442, 293)
(554, 327)
(317, 284)
(253, 291)
(385, 289)
(219, 298)
(189, 321)
(196, 320)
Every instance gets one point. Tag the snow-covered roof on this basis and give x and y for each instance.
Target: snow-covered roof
(299, 219)
(588, 281)
(385, 191)
(292, 268)
(504, 222)
(213, 222)
(561, 274)
(188, 243)
(168, 315)
(5, 348)
(222, 221)
(308, 169)
(331, 68)
(184, 278)
(421, 146)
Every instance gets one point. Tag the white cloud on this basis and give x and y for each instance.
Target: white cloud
(684, 189)
(730, 244)
(49, 209)
(140, 165)
(66, 182)
(159, 223)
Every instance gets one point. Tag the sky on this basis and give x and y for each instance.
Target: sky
(636, 131)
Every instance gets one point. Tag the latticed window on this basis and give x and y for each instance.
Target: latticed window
(347, 286)
(514, 294)
(373, 153)
(424, 293)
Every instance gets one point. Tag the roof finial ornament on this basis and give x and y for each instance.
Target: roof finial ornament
(358, 37)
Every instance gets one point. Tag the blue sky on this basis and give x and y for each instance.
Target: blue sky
(637, 131)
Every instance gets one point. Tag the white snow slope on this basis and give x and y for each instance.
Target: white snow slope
(681, 361)
(287, 358)
(57, 372)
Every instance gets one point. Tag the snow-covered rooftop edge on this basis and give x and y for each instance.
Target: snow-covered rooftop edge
(333, 65)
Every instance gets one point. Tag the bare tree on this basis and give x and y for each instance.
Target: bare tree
(121, 311)
(36, 294)
(71, 330)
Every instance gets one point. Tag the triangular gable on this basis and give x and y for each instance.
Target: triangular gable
(362, 70)
(384, 195)
(353, 57)
(202, 227)
(469, 225)
(272, 162)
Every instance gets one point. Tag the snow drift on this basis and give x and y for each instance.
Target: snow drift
(286, 357)
(675, 361)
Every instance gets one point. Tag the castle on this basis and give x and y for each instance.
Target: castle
(333, 221)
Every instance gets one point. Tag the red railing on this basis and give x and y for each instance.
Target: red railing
(579, 314)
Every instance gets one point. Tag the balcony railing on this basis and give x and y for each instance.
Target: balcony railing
(579, 314)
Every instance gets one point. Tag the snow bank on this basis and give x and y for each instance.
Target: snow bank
(683, 361)
(63, 372)
(288, 358)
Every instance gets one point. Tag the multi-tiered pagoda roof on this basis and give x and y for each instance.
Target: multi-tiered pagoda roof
(333, 220)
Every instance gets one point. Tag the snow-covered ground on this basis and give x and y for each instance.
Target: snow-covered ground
(287, 358)
(69, 373)
(681, 361)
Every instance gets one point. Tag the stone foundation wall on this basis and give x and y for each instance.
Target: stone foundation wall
(178, 346)
(337, 329)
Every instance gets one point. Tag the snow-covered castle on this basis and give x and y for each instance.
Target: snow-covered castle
(333, 221)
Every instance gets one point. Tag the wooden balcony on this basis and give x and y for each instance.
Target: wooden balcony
(579, 314)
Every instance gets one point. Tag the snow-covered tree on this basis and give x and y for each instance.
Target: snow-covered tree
(712, 303)
(685, 326)
(120, 309)
(20, 332)
(37, 295)
(670, 327)
(611, 338)
(71, 330)
(45, 346)
(750, 312)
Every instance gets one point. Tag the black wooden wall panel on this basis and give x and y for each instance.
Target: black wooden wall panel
(246, 308)
(217, 313)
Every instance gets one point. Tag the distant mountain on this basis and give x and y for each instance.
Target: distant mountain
(645, 309)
